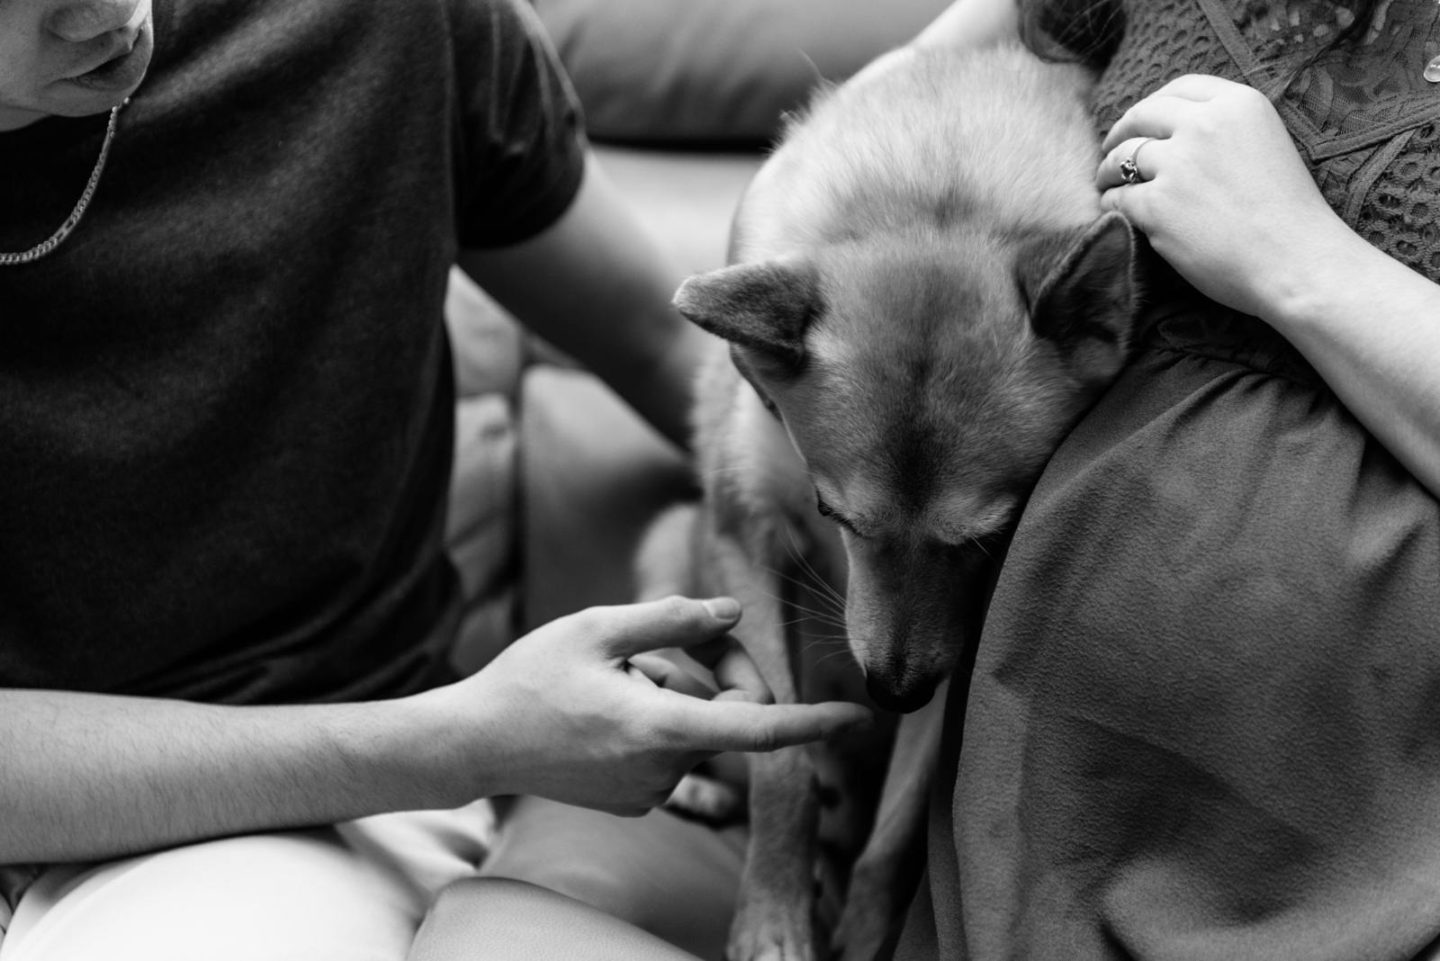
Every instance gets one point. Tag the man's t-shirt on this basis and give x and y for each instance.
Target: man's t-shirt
(225, 401)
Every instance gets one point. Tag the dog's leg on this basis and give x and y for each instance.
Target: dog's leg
(773, 916)
(665, 558)
(666, 563)
(891, 863)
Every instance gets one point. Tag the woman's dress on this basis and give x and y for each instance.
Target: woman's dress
(1204, 717)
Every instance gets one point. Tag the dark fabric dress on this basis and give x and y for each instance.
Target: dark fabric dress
(1204, 719)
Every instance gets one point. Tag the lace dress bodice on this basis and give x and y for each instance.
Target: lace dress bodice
(1365, 118)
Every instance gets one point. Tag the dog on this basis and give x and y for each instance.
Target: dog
(922, 297)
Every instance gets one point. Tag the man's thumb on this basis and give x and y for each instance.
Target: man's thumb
(669, 622)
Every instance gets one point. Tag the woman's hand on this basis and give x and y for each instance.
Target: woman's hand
(1222, 193)
(1223, 196)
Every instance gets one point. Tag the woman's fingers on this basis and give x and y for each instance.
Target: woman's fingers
(1155, 116)
(1132, 162)
(1172, 107)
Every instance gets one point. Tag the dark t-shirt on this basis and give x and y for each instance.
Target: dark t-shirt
(225, 401)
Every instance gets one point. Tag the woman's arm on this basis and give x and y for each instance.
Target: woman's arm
(573, 711)
(1371, 327)
(1225, 198)
(973, 23)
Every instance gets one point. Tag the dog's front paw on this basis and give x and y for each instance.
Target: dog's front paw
(861, 933)
(771, 933)
(871, 913)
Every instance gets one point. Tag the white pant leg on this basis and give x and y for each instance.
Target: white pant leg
(354, 892)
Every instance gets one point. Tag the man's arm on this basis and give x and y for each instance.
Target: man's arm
(598, 286)
(94, 776)
(571, 711)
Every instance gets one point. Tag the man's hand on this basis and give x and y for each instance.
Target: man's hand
(580, 712)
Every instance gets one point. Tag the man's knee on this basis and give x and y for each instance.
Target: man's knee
(322, 894)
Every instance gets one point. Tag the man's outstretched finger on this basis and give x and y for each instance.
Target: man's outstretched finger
(730, 725)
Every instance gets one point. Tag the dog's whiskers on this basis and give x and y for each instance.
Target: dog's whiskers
(826, 613)
(832, 655)
(832, 643)
(810, 617)
(807, 615)
(819, 585)
(822, 585)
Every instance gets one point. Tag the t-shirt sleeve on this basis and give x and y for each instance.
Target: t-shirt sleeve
(519, 143)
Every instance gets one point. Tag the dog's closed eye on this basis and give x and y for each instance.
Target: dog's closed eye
(826, 511)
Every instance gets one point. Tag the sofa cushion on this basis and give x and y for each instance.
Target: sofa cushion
(716, 71)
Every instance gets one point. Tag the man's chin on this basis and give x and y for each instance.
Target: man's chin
(107, 85)
(71, 102)
(92, 102)
(13, 118)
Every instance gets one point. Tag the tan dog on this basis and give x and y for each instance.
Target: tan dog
(923, 298)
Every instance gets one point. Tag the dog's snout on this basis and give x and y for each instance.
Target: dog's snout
(902, 698)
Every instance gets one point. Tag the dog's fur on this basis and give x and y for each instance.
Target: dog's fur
(923, 297)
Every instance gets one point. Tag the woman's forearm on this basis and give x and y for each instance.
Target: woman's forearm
(1371, 327)
(967, 23)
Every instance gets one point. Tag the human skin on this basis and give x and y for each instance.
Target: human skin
(573, 712)
(1228, 202)
(70, 58)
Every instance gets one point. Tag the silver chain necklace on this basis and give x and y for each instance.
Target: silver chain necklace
(71, 222)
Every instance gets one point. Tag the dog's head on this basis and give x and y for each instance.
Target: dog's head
(925, 385)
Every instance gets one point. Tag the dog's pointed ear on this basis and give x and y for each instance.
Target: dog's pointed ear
(764, 306)
(1083, 294)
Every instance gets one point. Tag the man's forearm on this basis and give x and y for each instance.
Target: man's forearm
(661, 388)
(564, 713)
(597, 285)
(91, 776)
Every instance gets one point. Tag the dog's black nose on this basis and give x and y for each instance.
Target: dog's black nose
(912, 697)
